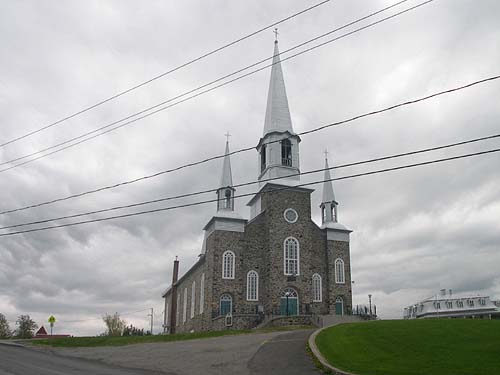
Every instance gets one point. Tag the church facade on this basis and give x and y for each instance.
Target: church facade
(276, 263)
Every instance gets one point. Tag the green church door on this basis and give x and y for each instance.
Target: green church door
(292, 306)
(289, 302)
(339, 306)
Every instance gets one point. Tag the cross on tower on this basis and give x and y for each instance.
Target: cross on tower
(227, 136)
(275, 34)
(326, 154)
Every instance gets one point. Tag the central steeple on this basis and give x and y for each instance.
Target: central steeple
(277, 112)
(279, 146)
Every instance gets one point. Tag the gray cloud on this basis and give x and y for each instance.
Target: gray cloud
(415, 231)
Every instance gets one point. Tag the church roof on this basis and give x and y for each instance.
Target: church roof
(328, 194)
(227, 177)
(277, 112)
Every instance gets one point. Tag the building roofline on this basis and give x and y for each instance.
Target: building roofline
(291, 135)
(270, 185)
(198, 263)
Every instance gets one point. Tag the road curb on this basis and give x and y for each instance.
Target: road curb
(11, 343)
(317, 354)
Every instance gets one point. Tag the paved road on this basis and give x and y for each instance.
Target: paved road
(21, 361)
(284, 355)
(263, 353)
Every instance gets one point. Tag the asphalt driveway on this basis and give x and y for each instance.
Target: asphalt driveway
(263, 353)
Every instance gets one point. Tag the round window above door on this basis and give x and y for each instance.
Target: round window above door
(291, 215)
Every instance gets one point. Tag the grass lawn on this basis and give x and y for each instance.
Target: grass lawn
(414, 347)
(128, 340)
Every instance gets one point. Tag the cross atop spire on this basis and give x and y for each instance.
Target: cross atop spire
(275, 35)
(227, 136)
(326, 154)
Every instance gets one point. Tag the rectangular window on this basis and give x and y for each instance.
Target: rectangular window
(178, 315)
(184, 310)
(165, 323)
(193, 298)
(202, 292)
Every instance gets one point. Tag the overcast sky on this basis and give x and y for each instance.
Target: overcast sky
(415, 231)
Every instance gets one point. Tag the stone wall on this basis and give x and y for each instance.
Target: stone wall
(261, 248)
(339, 249)
(298, 320)
(312, 243)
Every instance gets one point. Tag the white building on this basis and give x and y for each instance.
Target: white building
(449, 305)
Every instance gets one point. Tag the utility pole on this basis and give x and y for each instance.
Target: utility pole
(151, 315)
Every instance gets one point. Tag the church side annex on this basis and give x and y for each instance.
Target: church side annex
(277, 263)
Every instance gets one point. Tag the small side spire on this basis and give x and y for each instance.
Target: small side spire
(227, 177)
(328, 194)
(328, 202)
(225, 193)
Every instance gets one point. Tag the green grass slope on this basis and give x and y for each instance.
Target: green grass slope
(414, 347)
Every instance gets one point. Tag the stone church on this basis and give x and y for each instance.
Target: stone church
(278, 262)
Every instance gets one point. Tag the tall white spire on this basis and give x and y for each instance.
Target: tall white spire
(227, 177)
(277, 112)
(279, 146)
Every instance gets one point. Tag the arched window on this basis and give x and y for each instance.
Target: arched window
(228, 265)
(226, 304)
(291, 256)
(202, 292)
(227, 197)
(263, 158)
(339, 271)
(286, 152)
(252, 286)
(316, 288)
(193, 298)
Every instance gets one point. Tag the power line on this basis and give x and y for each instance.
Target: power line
(101, 130)
(257, 181)
(351, 119)
(251, 194)
(115, 96)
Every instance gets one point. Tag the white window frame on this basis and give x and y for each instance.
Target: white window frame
(228, 269)
(202, 293)
(166, 323)
(287, 259)
(339, 271)
(184, 305)
(193, 298)
(317, 286)
(178, 312)
(252, 290)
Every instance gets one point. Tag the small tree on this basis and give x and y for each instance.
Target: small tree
(115, 325)
(26, 327)
(5, 332)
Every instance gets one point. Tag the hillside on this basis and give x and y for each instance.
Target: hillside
(411, 347)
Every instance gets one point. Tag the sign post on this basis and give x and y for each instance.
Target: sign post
(51, 320)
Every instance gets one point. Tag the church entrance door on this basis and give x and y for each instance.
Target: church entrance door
(339, 306)
(289, 302)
